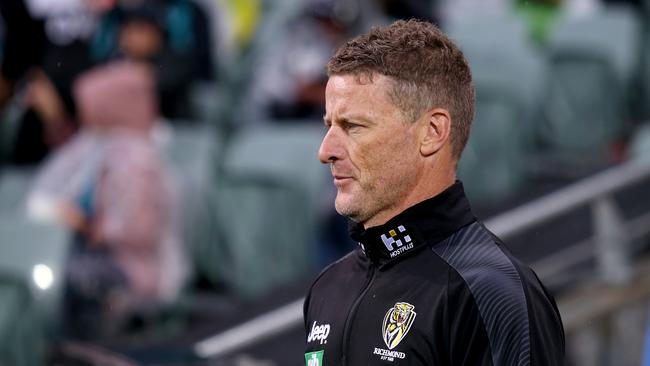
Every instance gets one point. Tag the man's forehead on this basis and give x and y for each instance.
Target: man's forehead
(338, 81)
(349, 98)
(360, 78)
(351, 86)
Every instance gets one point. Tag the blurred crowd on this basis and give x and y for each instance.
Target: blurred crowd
(47, 45)
(88, 89)
(91, 81)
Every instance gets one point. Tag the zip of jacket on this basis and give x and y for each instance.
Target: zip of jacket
(347, 329)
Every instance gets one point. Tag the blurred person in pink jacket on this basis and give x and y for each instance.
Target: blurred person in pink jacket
(126, 256)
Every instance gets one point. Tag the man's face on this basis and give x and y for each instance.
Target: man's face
(372, 149)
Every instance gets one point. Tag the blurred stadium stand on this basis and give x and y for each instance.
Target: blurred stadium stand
(22, 339)
(593, 61)
(32, 266)
(550, 116)
(510, 76)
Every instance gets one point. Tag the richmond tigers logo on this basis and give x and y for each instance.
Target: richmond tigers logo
(397, 323)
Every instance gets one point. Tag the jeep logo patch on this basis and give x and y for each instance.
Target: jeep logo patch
(319, 333)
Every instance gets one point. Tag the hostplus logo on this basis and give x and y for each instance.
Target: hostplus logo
(397, 243)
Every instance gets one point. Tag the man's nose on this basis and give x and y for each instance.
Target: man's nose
(330, 149)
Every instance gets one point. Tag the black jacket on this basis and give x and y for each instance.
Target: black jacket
(431, 287)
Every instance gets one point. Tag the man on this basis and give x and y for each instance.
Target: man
(429, 284)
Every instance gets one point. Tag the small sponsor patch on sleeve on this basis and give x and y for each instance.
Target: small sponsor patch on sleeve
(314, 358)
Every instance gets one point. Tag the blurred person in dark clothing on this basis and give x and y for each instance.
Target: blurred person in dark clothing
(172, 35)
(18, 59)
(45, 49)
(289, 78)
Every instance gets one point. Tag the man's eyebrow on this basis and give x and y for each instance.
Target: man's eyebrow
(345, 120)
(328, 122)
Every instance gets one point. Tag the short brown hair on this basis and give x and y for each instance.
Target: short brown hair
(429, 71)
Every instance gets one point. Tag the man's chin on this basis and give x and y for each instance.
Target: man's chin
(348, 210)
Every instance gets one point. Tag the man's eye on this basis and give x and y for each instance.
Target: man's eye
(351, 126)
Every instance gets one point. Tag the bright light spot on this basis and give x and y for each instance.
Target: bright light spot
(43, 276)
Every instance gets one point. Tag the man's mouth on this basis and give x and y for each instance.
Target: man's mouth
(340, 179)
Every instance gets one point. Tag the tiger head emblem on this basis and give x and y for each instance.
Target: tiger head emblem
(397, 323)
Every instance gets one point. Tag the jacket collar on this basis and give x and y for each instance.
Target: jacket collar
(426, 223)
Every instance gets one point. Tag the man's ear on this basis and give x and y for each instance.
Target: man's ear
(435, 131)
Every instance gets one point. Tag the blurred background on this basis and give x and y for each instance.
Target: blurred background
(161, 202)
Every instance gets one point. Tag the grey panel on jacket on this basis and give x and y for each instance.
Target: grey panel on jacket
(497, 289)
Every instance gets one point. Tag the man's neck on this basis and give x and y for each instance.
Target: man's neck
(413, 199)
